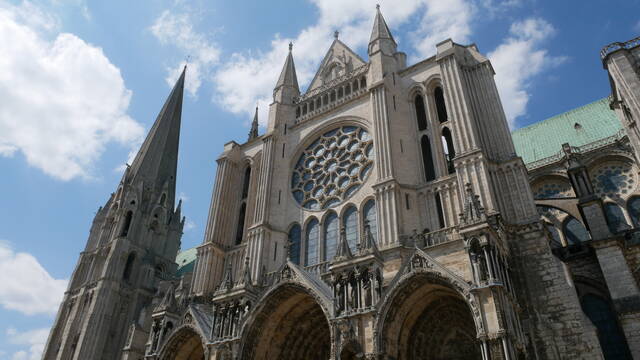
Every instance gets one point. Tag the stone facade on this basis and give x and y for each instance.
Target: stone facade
(385, 214)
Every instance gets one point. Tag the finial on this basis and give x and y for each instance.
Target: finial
(336, 34)
(377, 6)
(290, 46)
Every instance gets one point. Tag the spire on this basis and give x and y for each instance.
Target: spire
(288, 81)
(253, 133)
(157, 160)
(381, 35)
(343, 252)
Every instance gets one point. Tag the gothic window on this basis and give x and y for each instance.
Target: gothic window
(312, 237)
(440, 211)
(332, 168)
(441, 108)
(427, 159)
(127, 223)
(245, 183)
(421, 115)
(363, 82)
(355, 85)
(350, 222)
(556, 240)
(330, 236)
(613, 179)
(370, 217)
(240, 228)
(633, 206)
(294, 241)
(163, 199)
(552, 188)
(615, 218)
(612, 341)
(298, 111)
(574, 231)
(449, 151)
(128, 268)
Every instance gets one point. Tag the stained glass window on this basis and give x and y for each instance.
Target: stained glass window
(350, 221)
(330, 236)
(294, 240)
(613, 179)
(312, 237)
(553, 189)
(369, 212)
(633, 206)
(332, 168)
(575, 232)
(615, 218)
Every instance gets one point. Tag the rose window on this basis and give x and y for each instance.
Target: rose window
(553, 189)
(332, 168)
(613, 179)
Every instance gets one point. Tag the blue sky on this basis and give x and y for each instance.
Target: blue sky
(82, 81)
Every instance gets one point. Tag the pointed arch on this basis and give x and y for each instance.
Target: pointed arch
(427, 159)
(350, 223)
(290, 322)
(330, 235)
(295, 237)
(127, 223)
(421, 114)
(441, 108)
(185, 343)
(128, 267)
(449, 149)
(312, 242)
(240, 226)
(439, 210)
(370, 217)
(615, 218)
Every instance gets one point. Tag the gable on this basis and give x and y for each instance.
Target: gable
(339, 60)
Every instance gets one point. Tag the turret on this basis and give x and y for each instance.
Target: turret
(284, 93)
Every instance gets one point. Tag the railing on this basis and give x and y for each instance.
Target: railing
(619, 45)
(318, 269)
(578, 150)
(441, 236)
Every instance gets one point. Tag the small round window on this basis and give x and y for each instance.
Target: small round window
(332, 168)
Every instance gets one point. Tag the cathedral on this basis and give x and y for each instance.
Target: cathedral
(387, 212)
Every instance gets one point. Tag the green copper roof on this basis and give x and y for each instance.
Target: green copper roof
(186, 260)
(594, 121)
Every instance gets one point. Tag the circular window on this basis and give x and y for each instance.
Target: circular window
(613, 179)
(332, 168)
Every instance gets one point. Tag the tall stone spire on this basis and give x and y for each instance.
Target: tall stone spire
(287, 86)
(381, 38)
(253, 133)
(157, 160)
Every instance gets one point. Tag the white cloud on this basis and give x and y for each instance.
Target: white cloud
(63, 100)
(34, 339)
(189, 225)
(518, 60)
(354, 20)
(26, 286)
(176, 29)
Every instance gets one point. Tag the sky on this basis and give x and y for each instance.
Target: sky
(81, 82)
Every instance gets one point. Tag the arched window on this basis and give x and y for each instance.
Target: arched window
(363, 82)
(240, 228)
(245, 183)
(427, 159)
(350, 221)
(633, 206)
(163, 199)
(330, 236)
(127, 223)
(294, 241)
(370, 217)
(615, 218)
(439, 210)
(311, 236)
(128, 267)
(449, 150)
(574, 231)
(421, 114)
(612, 340)
(441, 108)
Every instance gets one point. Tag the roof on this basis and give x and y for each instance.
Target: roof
(577, 127)
(186, 261)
